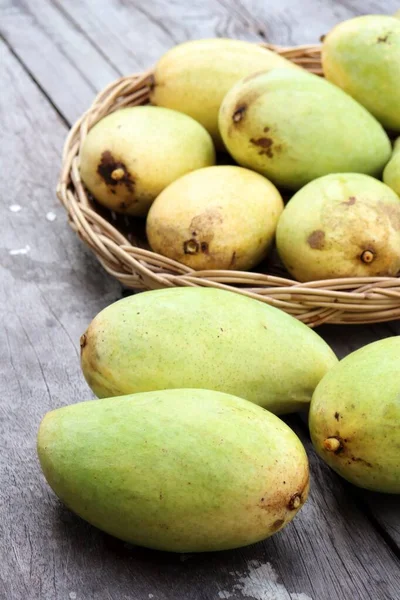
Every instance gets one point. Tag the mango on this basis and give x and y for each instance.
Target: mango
(362, 56)
(131, 155)
(221, 217)
(355, 414)
(204, 338)
(343, 225)
(193, 77)
(176, 470)
(293, 127)
(391, 174)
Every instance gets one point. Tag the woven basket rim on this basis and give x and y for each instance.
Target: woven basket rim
(345, 300)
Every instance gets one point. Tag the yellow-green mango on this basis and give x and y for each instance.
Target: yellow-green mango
(391, 174)
(204, 338)
(362, 56)
(355, 417)
(193, 77)
(131, 155)
(221, 217)
(176, 470)
(293, 127)
(342, 225)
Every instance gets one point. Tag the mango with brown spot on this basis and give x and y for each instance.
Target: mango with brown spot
(292, 127)
(181, 470)
(131, 155)
(355, 414)
(194, 77)
(343, 225)
(221, 217)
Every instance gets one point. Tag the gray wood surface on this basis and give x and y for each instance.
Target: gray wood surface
(344, 545)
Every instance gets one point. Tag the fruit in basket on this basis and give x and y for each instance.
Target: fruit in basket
(293, 127)
(355, 416)
(343, 225)
(193, 77)
(391, 174)
(362, 56)
(220, 217)
(176, 470)
(204, 338)
(132, 154)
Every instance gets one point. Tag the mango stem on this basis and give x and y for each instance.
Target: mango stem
(117, 174)
(332, 444)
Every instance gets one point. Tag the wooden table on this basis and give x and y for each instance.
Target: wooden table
(55, 56)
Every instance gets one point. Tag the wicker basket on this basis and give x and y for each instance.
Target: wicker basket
(120, 245)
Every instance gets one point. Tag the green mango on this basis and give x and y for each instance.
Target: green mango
(355, 415)
(342, 225)
(362, 56)
(194, 77)
(204, 338)
(176, 470)
(293, 127)
(391, 174)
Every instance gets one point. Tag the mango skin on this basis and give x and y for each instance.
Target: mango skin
(391, 174)
(362, 56)
(204, 338)
(358, 403)
(343, 225)
(176, 470)
(293, 127)
(221, 217)
(194, 77)
(131, 155)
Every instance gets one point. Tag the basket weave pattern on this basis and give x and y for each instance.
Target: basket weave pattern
(127, 257)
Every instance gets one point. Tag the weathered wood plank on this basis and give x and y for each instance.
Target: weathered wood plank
(167, 23)
(69, 67)
(47, 296)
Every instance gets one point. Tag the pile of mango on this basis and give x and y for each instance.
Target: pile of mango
(184, 450)
(233, 127)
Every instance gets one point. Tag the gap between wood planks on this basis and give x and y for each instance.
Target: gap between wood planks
(35, 81)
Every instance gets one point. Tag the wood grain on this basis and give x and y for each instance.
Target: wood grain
(343, 544)
(56, 53)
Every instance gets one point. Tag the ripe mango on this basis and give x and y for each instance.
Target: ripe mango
(343, 225)
(391, 174)
(293, 127)
(176, 470)
(355, 414)
(215, 218)
(131, 155)
(204, 338)
(362, 56)
(193, 77)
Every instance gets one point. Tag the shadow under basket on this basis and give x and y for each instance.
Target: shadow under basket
(120, 244)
